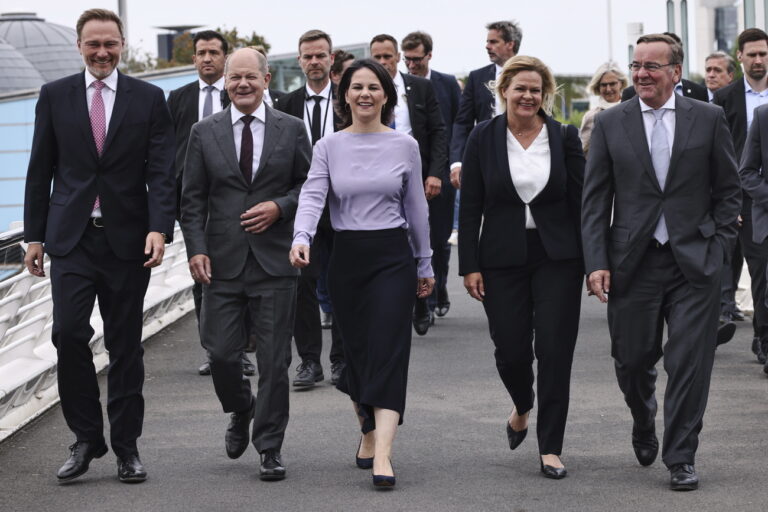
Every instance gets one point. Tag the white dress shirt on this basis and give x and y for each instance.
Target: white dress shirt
(402, 117)
(496, 102)
(218, 86)
(257, 130)
(326, 110)
(529, 169)
(669, 121)
(753, 100)
(108, 93)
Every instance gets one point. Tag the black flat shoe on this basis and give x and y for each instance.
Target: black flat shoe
(384, 481)
(552, 471)
(683, 477)
(363, 462)
(646, 445)
(130, 470)
(514, 437)
(80, 457)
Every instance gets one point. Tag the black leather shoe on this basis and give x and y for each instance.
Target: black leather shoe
(80, 456)
(271, 466)
(248, 367)
(443, 302)
(645, 444)
(737, 315)
(761, 355)
(421, 323)
(725, 332)
(683, 477)
(514, 437)
(336, 369)
(552, 471)
(205, 368)
(363, 462)
(765, 368)
(307, 374)
(130, 470)
(326, 320)
(239, 431)
(755, 345)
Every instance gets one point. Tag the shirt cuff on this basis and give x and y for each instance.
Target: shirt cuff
(424, 268)
(455, 164)
(301, 238)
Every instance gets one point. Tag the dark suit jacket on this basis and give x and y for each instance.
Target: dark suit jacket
(753, 178)
(427, 125)
(731, 98)
(690, 90)
(133, 177)
(489, 197)
(448, 95)
(294, 103)
(700, 201)
(215, 193)
(477, 104)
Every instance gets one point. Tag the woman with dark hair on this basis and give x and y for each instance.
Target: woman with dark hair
(522, 177)
(381, 258)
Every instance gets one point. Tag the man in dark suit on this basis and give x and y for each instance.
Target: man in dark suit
(417, 52)
(661, 198)
(739, 100)
(191, 103)
(419, 116)
(313, 103)
(106, 141)
(244, 169)
(477, 101)
(683, 87)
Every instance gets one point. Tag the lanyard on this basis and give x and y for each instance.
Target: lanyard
(327, 108)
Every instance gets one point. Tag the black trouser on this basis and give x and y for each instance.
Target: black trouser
(659, 291)
(271, 302)
(307, 331)
(730, 280)
(541, 296)
(92, 270)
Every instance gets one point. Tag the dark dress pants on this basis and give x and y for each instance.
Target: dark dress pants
(92, 270)
(440, 227)
(756, 256)
(730, 280)
(659, 291)
(271, 302)
(307, 332)
(541, 296)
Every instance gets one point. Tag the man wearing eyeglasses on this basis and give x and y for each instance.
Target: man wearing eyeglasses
(417, 52)
(664, 166)
(739, 100)
(683, 87)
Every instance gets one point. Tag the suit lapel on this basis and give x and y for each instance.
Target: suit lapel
(684, 118)
(272, 130)
(122, 101)
(502, 156)
(225, 138)
(633, 125)
(79, 105)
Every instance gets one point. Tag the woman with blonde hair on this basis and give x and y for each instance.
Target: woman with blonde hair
(607, 83)
(522, 177)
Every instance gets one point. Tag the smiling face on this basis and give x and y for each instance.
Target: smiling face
(655, 87)
(499, 50)
(365, 96)
(385, 53)
(315, 59)
(209, 60)
(100, 44)
(610, 87)
(417, 60)
(524, 95)
(245, 81)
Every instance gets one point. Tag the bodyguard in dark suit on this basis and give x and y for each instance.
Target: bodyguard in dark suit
(313, 104)
(242, 176)
(661, 197)
(418, 114)
(417, 52)
(739, 100)
(106, 142)
(477, 102)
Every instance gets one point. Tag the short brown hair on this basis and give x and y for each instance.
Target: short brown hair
(314, 35)
(101, 15)
(676, 55)
(525, 63)
(381, 38)
(414, 39)
(751, 35)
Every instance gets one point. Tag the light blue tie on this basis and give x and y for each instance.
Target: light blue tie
(660, 158)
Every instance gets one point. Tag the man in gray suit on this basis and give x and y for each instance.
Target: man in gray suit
(666, 165)
(244, 169)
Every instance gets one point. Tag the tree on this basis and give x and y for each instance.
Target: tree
(235, 40)
(183, 49)
(135, 60)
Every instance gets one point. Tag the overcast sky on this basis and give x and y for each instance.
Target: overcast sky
(571, 36)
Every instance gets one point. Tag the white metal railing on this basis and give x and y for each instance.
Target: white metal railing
(27, 356)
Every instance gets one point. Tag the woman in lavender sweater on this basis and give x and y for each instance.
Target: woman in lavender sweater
(371, 176)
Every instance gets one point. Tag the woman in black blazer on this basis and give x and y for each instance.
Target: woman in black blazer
(522, 179)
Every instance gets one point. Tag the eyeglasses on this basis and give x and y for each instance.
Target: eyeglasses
(651, 67)
(606, 85)
(414, 60)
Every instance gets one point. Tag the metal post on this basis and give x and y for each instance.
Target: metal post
(122, 11)
(610, 31)
(670, 16)
(684, 35)
(749, 13)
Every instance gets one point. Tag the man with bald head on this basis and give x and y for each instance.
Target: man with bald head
(242, 175)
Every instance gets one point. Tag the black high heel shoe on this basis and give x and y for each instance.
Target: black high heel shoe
(383, 481)
(552, 471)
(514, 437)
(363, 462)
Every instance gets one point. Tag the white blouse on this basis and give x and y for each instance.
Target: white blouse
(529, 168)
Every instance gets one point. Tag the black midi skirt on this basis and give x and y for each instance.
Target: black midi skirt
(372, 285)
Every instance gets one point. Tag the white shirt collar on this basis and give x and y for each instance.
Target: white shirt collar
(748, 88)
(429, 74)
(325, 93)
(218, 84)
(110, 81)
(670, 104)
(260, 114)
(499, 69)
(399, 82)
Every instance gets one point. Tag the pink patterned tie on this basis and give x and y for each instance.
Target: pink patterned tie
(98, 123)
